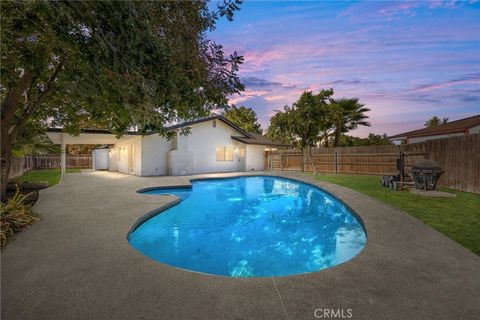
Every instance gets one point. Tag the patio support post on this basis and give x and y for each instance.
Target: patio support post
(63, 158)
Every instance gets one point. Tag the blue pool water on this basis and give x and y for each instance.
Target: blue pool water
(251, 227)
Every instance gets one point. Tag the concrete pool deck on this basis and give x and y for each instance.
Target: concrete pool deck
(76, 263)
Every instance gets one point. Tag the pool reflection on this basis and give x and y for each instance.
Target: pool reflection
(250, 227)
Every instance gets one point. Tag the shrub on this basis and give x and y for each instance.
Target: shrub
(15, 217)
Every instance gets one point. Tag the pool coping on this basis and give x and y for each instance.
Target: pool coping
(144, 218)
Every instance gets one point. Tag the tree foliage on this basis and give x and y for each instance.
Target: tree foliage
(301, 123)
(310, 117)
(32, 140)
(115, 65)
(435, 121)
(370, 140)
(317, 117)
(280, 127)
(345, 115)
(245, 118)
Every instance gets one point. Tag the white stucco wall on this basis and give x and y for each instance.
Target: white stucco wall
(155, 155)
(112, 159)
(180, 162)
(118, 155)
(254, 158)
(194, 153)
(201, 143)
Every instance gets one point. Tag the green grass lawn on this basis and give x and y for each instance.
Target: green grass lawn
(50, 175)
(457, 218)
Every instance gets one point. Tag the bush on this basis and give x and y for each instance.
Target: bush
(15, 217)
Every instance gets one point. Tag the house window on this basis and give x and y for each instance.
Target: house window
(224, 153)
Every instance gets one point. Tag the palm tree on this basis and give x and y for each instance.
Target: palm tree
(347, 114)
(33, 141)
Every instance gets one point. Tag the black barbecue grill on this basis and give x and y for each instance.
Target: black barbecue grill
(425, 174)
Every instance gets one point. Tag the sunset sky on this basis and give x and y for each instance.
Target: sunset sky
(407, 61)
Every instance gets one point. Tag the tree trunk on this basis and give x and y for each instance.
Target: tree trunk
(314, 168)
(6, 142)
(337, 138)
(8, 128)
(5, 161)
(326, 140)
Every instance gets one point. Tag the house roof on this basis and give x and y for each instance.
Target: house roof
(450, 127)
(247, 137)
(259, 139)
(172, 127)
(217, 117)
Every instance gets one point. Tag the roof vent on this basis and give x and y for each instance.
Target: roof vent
(214, 123)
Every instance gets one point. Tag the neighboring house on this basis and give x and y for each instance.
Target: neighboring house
(214, 144)
(460, 127)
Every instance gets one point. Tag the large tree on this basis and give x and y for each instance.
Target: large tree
(304, 122)
(315, 118)
(345, 115)
(244, 117)
(115, 65)
(280, 127)
(310, 114)
(435, 121)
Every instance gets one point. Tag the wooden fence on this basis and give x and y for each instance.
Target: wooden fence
(19, 166)
(459, 157)
(22, 165)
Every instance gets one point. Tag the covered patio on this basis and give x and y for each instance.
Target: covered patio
(91, 136)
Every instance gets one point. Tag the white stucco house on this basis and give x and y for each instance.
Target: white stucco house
(214, 144)
(461, 127)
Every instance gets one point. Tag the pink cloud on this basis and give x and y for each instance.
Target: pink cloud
(471, 79)
(397, 8)
(449, 4)
(248, 94)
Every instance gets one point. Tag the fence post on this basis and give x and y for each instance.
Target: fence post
(335, 160)
(281, 161)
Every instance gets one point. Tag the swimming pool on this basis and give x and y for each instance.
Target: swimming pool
(253, 226)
